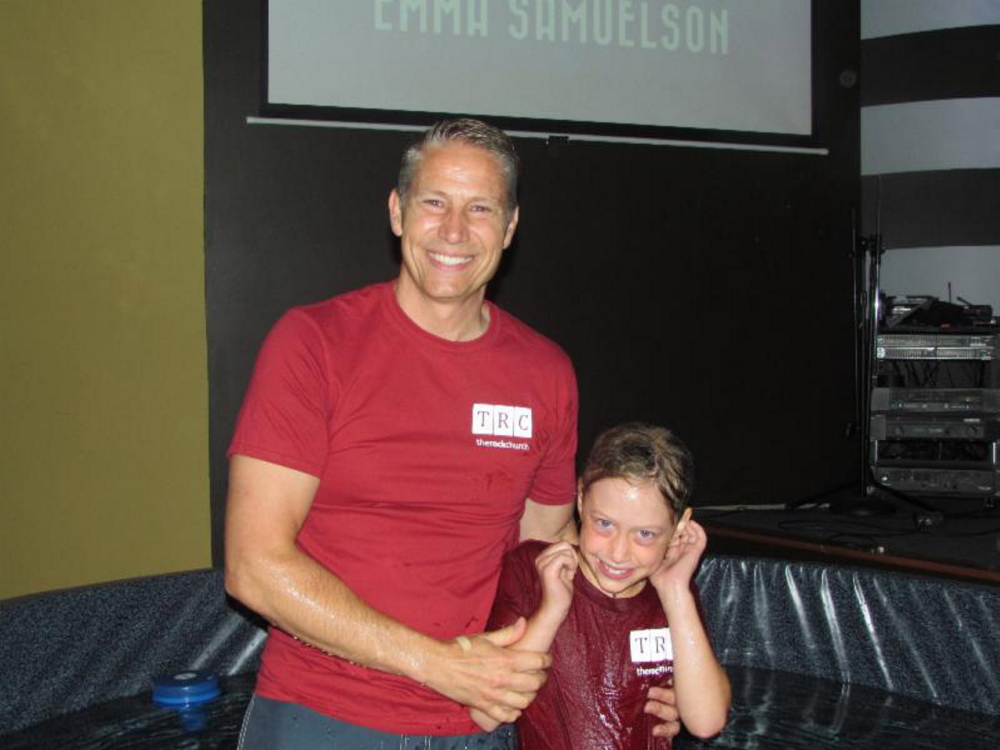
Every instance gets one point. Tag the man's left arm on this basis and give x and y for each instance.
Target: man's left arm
(548, 523)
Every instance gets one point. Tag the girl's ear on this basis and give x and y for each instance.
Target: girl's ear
(685, 517)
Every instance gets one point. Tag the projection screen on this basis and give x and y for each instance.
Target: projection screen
(591, 65)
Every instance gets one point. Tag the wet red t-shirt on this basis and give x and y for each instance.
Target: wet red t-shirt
(425, 450)
(606, 656)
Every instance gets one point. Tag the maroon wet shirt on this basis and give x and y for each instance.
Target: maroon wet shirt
(605, 657)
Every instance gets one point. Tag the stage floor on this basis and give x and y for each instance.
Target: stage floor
(962, 542)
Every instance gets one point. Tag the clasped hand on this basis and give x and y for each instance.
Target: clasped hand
(487, 674)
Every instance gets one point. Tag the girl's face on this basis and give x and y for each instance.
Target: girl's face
(625, 528)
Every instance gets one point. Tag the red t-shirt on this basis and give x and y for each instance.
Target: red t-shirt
(605, 657)
(426, 450)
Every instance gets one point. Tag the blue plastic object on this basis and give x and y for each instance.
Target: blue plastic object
(186, 688)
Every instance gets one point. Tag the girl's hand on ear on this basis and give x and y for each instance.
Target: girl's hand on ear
(681, 559)
(557, 565)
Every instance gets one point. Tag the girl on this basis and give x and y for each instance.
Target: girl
(618, 612)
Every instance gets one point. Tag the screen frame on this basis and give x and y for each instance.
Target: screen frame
(544, 127)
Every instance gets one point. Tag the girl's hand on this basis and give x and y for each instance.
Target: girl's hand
(557, 565)
(682, 556)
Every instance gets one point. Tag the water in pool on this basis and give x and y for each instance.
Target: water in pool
(770, 710)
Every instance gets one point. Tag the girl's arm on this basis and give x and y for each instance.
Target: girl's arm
(700, 683)
(556, 565)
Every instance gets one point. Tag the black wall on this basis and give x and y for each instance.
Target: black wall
(709, 290)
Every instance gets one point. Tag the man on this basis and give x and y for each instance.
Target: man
(394, 442)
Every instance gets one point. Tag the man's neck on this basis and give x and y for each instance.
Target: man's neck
(460, 321)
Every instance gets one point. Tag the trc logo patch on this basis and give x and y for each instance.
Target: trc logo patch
(495, 419)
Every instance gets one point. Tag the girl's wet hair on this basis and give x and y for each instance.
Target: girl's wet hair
(639, 452)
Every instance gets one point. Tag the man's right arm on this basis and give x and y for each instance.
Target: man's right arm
(266, 570)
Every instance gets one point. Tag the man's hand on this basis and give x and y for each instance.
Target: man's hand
(662, 704)
(485, 673)
(484, 722)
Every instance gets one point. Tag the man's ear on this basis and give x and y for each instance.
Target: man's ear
(395, 213)
(508, 235)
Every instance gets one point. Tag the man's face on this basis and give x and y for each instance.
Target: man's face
(453, 228)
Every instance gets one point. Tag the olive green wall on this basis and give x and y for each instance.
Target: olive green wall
(103, 384)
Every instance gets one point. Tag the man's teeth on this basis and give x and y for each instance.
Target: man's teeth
(450, 260)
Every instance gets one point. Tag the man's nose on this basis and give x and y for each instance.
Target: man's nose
(454, 228)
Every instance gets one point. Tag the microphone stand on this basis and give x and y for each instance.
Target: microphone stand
(871, 500)
(868, 300)
(867, 497)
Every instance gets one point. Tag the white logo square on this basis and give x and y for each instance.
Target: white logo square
(651, 645)
(522, 422)
(503, 420)
(482, 419)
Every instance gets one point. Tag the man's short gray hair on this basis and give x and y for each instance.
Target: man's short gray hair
(473, 133)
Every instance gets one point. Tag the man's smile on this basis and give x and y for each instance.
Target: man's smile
(449, 260)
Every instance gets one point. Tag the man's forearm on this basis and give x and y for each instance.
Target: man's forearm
(268, 572)
(304, 599)
(307, 601)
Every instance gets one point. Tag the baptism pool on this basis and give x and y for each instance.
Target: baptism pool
(771, 709)
(819, 656)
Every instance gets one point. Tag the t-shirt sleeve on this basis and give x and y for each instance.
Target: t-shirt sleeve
(555, 480)
(519, 592)
(285, 413)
